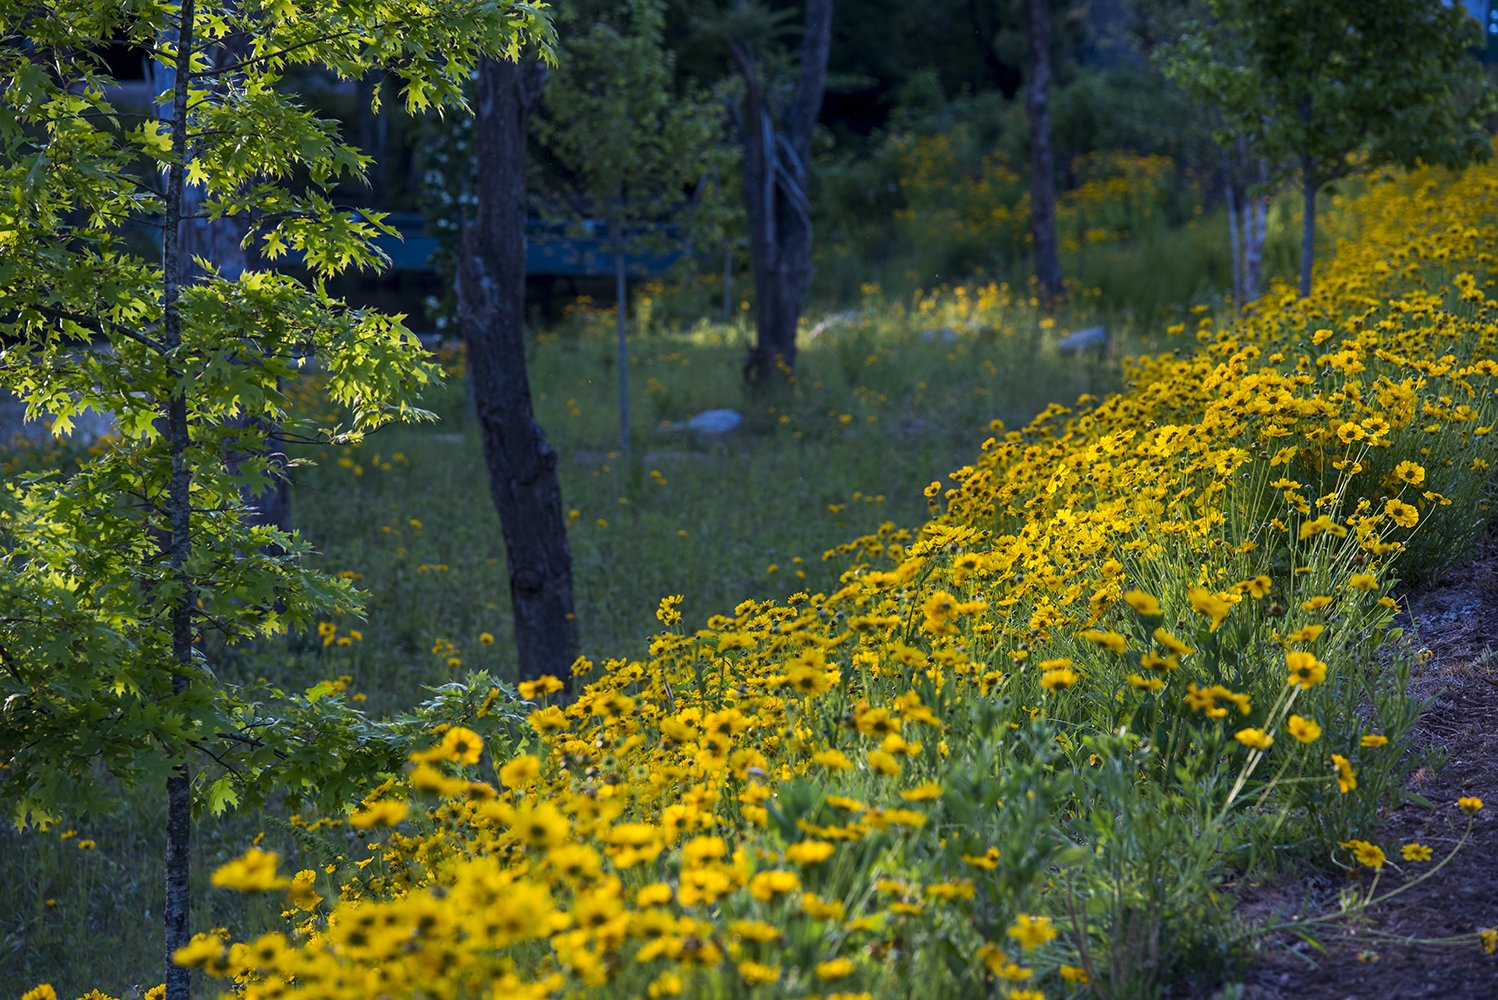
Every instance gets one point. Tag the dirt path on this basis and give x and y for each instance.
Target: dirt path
(1457, 620)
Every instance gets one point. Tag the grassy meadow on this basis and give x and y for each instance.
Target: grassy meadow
(882, 406)
(966, 667)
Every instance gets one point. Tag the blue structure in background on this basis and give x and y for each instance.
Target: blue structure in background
(1486, 14)
(550, 251)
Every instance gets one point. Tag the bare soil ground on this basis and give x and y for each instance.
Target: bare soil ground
(1456, 619)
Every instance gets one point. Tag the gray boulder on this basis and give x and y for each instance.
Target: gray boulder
(715, 422)
(1092, 338)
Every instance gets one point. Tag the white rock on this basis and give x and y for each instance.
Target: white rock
(1092, 338)
(715, 422)
(848, 317)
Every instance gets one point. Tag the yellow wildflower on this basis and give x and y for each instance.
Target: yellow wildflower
(1347, 780)
(1056, 680)
(768, 885)
(1213, 606)
(810, 852)
(253, 871)
(1031, 932)
(1113, 642)
(1305, 670)
(521, 772)
(1144, 604)
(1255, 739)
(1402, 513)
(386, 812)
(837, 968)
(1416, 852)
(202, 949)
(1367, 854)
(1304, 730)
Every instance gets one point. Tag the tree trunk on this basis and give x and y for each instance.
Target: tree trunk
(178, 901)
(1245, 178)
(620, 305)
(1235, 243)
(1042, 161)
(1308, 225)
(764, 242)
(177, 538)
(776, 196)
(521, 464)
(727, 282)
(1253, 243)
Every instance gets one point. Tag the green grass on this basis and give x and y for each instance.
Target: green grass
(878, 412)
(880, 408)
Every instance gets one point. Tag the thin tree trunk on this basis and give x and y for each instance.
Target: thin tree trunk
(176, 910)
(1246, 178)
(178, 901)
(727, 282)
(1308, 226)
(759, 207)
(521, 464)
(620, 290)
(1042, 161)
(1235, 245)
(776, 196)
(1253, 244)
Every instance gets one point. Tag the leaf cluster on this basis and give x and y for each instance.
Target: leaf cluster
(627, 146)
(90, 681)
(1327, 88)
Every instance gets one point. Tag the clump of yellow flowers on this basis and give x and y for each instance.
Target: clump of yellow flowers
(1128, 648)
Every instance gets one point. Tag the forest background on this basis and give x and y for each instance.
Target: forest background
(925, 331)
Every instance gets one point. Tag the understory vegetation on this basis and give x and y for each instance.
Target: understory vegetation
(837, 734)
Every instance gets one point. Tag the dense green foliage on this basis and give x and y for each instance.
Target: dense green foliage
(125, 578)
(297, 691)
(1322, 90)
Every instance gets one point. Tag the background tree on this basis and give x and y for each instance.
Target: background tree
(122, 578)
(626, 148)
(1245, 179)
(1042, 162)
(1322, 90)
(776, 132)
(521, 463)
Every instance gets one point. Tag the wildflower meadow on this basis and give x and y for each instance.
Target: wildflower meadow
(1140, 644)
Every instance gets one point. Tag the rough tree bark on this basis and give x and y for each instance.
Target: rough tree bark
(776, 199)
(1042, 160)
(521, 464)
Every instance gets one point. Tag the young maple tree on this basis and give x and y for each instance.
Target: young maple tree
(626, 145)
(119, 580)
